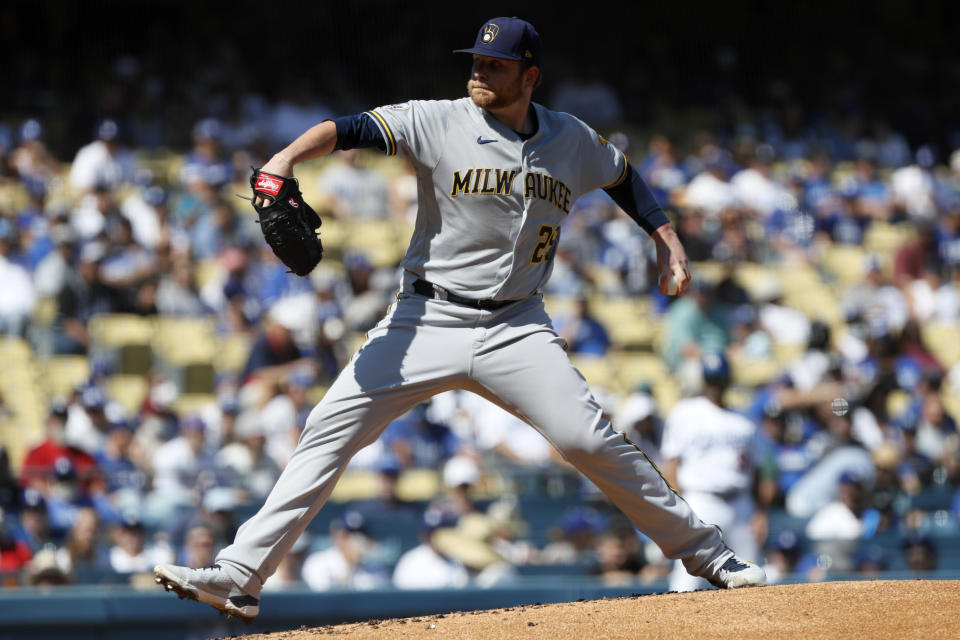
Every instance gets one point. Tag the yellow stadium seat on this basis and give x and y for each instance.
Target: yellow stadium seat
(128, 391)
(943, 341)
(558, 306)
(886, 238)
(232, 352)
(666, 392)
(629, 321)
(119, 329)
(418, 484)
(846, 262)
(45, 312)
(598, 371)
(207, 270)
(798, 277)
(753, 373)
(356, 485)
(897, 402)
(951, 402)
(315, 393)
(14, 351)
(60, 375)
(194, 403)
(184, 340)
(635, 368)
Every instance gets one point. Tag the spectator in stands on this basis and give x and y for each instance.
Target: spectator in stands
(352, 191)
(10, 490)
(841, 518)
(14, 554)
(585, 335)
(461, 474)
(275, 351)
(87, 422)
(755, 188)
(290, 571)
(426, 566)
(125, 263)
(45, 570)
(85, 295)
(619, 555)
(122, 460)
(637, 417)
(875, 300)
(349, 562)
(102, 161)
(179, 463)
(199, 547)
(920, 553)
(206, 162)
(130, 552)
(783, 556)
(33, 162)
(709, 190)
(695, 324)
(34, 528)
(363, 306)
(285, 413)
(245, 463)
(17, 295)
(417, 441)
(886, 497)
(388, 504)
(914, 188)
(39, 466)
(217, 231)
(576, 538)
(870, 560)
(82, 548)
(177, 293)
(51, 274)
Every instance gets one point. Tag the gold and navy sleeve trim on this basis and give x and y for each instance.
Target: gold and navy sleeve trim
(623, 174)
(383, 123)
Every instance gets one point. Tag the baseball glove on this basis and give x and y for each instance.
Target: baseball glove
(288, 223)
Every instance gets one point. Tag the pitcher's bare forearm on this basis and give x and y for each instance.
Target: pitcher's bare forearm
(317, 141)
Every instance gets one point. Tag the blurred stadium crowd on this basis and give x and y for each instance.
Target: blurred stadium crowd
(159, 362)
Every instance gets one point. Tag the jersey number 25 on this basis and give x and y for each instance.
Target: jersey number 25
(548, 244)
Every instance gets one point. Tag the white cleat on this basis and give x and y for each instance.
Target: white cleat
(210, 585)
(736, 573)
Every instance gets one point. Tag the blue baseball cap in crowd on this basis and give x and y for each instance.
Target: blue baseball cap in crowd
(508, 38)
(715, 368)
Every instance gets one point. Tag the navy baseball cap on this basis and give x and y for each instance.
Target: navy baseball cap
(508, 38)
(716, 369)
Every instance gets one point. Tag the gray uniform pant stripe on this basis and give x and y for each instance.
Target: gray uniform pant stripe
(510, 356)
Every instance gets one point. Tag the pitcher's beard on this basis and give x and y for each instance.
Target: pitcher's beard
(489, 99)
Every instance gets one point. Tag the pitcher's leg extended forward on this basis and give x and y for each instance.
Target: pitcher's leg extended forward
(533, 378)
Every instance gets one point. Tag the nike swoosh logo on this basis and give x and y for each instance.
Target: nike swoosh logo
(480, 140)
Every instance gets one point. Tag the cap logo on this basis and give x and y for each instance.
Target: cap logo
(490, 32)
(527, 54)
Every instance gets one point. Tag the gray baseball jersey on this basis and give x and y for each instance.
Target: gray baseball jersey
(490, 203)
(490, 209)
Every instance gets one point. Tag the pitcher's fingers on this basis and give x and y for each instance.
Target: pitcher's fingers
(682, 275)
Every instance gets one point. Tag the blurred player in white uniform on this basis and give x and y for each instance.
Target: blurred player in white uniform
(707, 453)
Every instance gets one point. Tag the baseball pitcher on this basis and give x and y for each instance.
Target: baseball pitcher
(497, 176)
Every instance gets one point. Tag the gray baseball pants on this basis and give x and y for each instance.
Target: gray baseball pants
(512, 357)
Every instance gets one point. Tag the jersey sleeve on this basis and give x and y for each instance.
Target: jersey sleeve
(416, 128)
(602, 165)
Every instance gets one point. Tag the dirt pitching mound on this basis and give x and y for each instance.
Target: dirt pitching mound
(923, 609)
